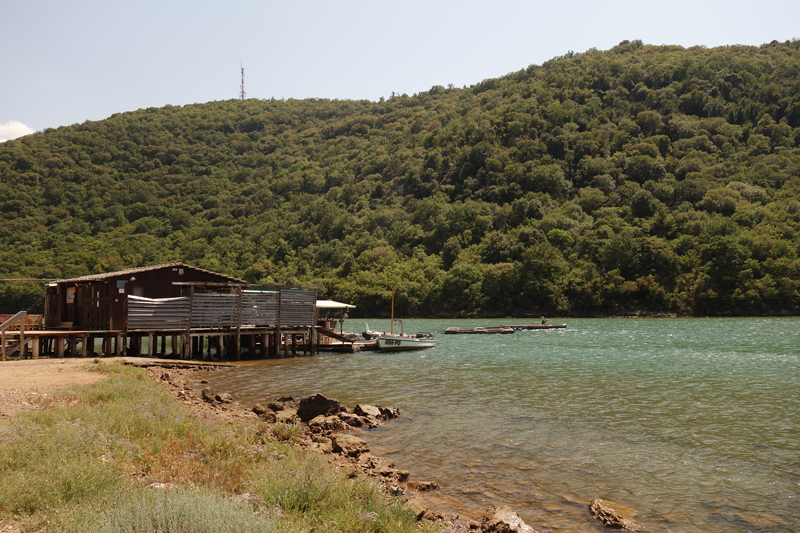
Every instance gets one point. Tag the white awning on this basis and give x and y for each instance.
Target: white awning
(330, 304)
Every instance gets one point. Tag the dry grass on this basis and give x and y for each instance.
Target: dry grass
(86, 465)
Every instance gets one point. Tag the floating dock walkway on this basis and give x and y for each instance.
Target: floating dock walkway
(501, 329)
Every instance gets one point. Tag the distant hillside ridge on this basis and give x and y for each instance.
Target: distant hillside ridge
(641, 179)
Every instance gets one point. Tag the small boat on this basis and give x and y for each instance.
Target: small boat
(403, 342)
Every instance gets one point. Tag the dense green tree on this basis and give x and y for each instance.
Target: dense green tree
(643, 178)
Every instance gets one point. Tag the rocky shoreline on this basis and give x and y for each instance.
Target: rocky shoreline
(326, 423)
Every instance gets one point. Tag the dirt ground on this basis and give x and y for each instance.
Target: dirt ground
(27, 384)
(24, 384)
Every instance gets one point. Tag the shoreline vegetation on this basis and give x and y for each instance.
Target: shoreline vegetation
(154, 449)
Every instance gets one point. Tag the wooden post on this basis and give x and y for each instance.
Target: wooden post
(220, 346)
(84, 339)
(294, 345)
(59, 346)
(238, 345)
(150, 344)
(278, 325)
(22, 344)
(187, 353)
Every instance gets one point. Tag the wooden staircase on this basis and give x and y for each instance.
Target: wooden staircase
(12, 332)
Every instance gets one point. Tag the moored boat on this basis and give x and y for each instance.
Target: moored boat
(402, 342)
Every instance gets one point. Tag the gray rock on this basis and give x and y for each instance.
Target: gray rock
(208, 395)
(322, 444)
(351, 419)
(276, 406)
(224, 398)
(349, 445)
(316, 405)
(417, 505)
(501, 519)
(422, 486)
(268, 417)
(323, 423)
(259, 409)
(287, 416)
(367, 410)
(388, 413)
(613, 515)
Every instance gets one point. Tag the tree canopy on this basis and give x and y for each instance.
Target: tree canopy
(642, 178)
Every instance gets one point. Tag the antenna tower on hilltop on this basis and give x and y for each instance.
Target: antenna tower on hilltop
(242, 94)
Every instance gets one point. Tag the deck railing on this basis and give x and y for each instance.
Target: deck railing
(9, 346)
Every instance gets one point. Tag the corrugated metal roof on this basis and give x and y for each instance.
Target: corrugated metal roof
(127, 272)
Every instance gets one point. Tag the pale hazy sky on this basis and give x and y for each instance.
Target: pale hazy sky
(65, 62)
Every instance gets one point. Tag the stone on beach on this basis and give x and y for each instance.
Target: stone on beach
(349, 445)
(276, 406)
(287, 416)
(390, 412)
(363, 409)
(612, 514)
(207, 395)
(316, 405)
(417, 505)
(501, 519)
(422, 486)
(352, 419)
(322, 423)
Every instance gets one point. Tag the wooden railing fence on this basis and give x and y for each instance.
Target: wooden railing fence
(10, 346)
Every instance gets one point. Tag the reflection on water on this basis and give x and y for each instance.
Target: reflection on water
(692, 422)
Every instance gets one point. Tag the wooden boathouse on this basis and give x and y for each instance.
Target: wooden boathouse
(175, 307)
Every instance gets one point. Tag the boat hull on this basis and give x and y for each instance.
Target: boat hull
(390, 343)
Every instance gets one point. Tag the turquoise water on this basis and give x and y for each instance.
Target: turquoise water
(694, 423)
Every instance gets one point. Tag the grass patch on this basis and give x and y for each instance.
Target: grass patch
(178, 510)
(87, 466)
(286, 432)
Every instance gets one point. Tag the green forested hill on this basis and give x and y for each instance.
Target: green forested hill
(643, 178)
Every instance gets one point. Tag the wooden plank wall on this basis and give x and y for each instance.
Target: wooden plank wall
(297, 307)
(149, 314)
(213, 311)
(259, 308)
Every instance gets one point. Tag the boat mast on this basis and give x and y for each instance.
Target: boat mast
(391, 328)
